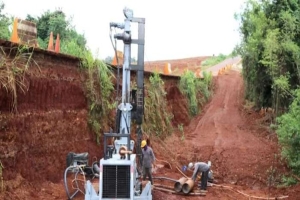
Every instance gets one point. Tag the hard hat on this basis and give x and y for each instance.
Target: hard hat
(190, 165)
(143, 143)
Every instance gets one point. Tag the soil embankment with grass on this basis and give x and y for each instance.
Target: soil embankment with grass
(51, 117)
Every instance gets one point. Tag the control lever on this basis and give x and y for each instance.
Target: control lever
(117, 25)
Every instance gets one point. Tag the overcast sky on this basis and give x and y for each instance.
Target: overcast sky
(174, 29)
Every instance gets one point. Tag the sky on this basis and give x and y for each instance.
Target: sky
(173, 29)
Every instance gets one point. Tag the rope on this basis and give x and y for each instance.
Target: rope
(181, 172)
(164, 162)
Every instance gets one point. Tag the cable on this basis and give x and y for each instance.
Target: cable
(117, 59)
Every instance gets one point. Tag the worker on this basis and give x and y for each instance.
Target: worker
(148, 161)
(200, 167)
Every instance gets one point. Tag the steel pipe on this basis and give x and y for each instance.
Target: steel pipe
(179, 183)
(188, 186)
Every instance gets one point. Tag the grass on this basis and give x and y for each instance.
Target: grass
(99, 88)
(157, 117)
(211, 61)
(13, 67)
(197, 91)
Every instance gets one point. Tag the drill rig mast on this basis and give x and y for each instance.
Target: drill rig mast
(119, 176)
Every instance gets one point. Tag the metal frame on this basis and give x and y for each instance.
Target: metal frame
(125, 114)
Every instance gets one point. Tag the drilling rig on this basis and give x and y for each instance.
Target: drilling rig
(119, 171)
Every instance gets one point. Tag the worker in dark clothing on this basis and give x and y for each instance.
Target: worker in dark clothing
(200, 167)
(148, 161)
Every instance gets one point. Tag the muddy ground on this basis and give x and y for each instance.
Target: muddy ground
(52, 121)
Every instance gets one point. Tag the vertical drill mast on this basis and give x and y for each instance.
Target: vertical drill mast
(131, 107)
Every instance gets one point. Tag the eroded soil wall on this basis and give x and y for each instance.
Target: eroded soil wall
(51, 119)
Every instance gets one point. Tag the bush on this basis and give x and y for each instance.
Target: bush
(99, 92)
(288, 132)
(196, 90)
(157, 117)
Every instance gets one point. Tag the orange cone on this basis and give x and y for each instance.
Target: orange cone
(14, 35)
(167, 68)
(50, 44)
(57, 44)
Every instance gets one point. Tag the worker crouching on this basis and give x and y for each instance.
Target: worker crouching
(204, 168)
(148, 161)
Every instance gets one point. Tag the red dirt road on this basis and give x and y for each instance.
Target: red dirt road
(243, 154)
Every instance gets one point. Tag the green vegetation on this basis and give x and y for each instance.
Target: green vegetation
(270, 50)
(197, 91)
(72, 42)
(181, 129)
(157, 117)
(289, 134)
(99, 88)
(14, 64)
(211, 61)
(4, 23)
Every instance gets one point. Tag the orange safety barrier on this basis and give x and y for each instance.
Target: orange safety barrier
(57, 44)
(14, 36)
(167, 68)
(50, 44)
(120, 58)
(198, 73)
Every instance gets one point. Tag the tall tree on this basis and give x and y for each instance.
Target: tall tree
(72, 42)
(270, 49)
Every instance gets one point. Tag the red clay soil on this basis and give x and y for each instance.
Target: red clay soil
(177, 65)
(34, 143)
(242, 153)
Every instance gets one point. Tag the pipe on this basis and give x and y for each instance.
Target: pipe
(179, 183)
(188, 186)
(166, 178)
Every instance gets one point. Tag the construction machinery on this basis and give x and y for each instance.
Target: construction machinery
(118, 172)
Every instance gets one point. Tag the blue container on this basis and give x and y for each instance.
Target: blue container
(184, 168)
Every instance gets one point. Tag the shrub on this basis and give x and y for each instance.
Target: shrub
(288, 132)
(157, 117)
(99, 92)
(196, 90)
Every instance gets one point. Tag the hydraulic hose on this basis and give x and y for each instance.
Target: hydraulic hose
(96, 168)
(66, 184)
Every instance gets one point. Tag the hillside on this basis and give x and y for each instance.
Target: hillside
(52, 120)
